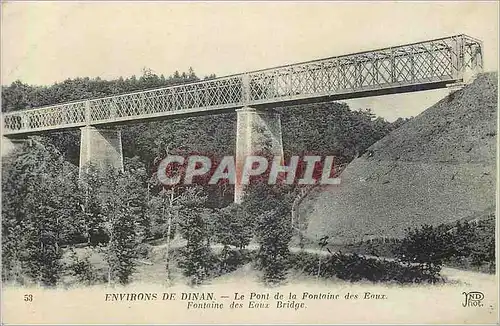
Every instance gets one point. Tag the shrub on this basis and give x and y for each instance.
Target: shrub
(426, 246)
(469, 245)
(353, 268)
(380, 247)
(231, 259)
(82, 269)
(474, 245)
(143, 250)
(274, 234)
(233, 227)
(197, 263)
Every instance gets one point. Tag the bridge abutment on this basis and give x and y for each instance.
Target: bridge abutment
(258, 132)
(101, 148)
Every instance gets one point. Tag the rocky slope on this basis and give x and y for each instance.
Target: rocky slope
(437, 168)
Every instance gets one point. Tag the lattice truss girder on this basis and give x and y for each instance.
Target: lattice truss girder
(445, 59)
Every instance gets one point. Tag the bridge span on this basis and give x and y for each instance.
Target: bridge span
(411, 67)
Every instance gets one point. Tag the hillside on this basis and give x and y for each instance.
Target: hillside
(437, 168)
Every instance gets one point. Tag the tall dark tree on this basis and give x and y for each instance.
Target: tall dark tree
(270, 207)
(41, 202)
(233, 227)
(194, 228)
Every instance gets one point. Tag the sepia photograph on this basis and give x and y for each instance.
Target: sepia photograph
(240, 162)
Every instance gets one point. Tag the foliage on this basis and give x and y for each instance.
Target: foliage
(380, 247)
(229, 260)
(82, 269)
(331, 129)
(120, 204)
(464, 244)
(41, 202)
(194, 228)
(270, 207)
(232, 259)
(354, 268)
(427, 246)
(233, 227)
(474, 244)
(219, 263)
(470, 245)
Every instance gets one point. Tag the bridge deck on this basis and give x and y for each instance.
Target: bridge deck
(411, 67)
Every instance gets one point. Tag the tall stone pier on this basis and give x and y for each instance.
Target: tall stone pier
(257, 132)
(101, 148)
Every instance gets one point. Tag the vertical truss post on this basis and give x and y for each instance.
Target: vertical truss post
(479, 54)
(412, 64)
(113, 109)
(245, 89)
(476, 56)
(87, 113)
(342, 79)
(357, 74)
(24, 122)
(457, 56)
(393, 67)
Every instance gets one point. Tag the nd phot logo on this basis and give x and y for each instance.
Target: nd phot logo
(473, 299)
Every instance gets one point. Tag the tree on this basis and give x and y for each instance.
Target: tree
(463, 235)
(41, 202)
(194, 228)
(233, 227)
(169, 209)
(119, 202)
(274, 235)
(427, 246)
(270, 208)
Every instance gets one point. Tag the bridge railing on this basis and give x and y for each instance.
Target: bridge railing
(424, 62)
(444, 59)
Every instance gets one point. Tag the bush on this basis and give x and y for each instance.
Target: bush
(233, 227)
(469, 245)
(353, 268)
(217, 264)
(197, 262)
(426, 246)
(82, 269)
(474, 245)
(231, 259)
(143, 250)
(380, 247)
(273, 234)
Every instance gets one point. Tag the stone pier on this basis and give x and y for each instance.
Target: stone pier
(257, 132)
(101, 148)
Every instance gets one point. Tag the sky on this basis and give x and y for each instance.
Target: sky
(47, 42)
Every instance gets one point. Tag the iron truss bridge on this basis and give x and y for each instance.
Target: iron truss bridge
(411, 67)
